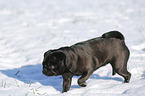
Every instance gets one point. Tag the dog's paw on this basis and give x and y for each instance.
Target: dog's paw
(82, 84)
(126, 81)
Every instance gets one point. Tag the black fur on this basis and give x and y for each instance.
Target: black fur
(85, 57)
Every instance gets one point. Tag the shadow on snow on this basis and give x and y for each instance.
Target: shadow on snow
(33, 73)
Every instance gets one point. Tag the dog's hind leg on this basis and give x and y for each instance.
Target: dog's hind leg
(123, 72)
(120, 67)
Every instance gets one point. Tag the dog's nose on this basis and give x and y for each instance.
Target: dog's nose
(51, 67)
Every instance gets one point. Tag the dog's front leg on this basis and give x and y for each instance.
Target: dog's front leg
(84, 77)
(67, 77)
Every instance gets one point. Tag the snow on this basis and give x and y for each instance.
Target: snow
(28, 28)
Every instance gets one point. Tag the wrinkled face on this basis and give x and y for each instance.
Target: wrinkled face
(53, 63)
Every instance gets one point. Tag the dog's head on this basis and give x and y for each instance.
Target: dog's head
(53, 63)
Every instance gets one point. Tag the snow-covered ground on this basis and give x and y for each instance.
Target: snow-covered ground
(28, 28)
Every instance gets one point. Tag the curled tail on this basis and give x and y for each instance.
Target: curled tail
(113, 34)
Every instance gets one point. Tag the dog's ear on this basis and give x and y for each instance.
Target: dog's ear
(59, 55)
(47, 52)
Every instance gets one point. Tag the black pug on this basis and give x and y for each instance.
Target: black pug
(85, 57)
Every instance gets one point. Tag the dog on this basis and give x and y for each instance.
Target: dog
(84, 58)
